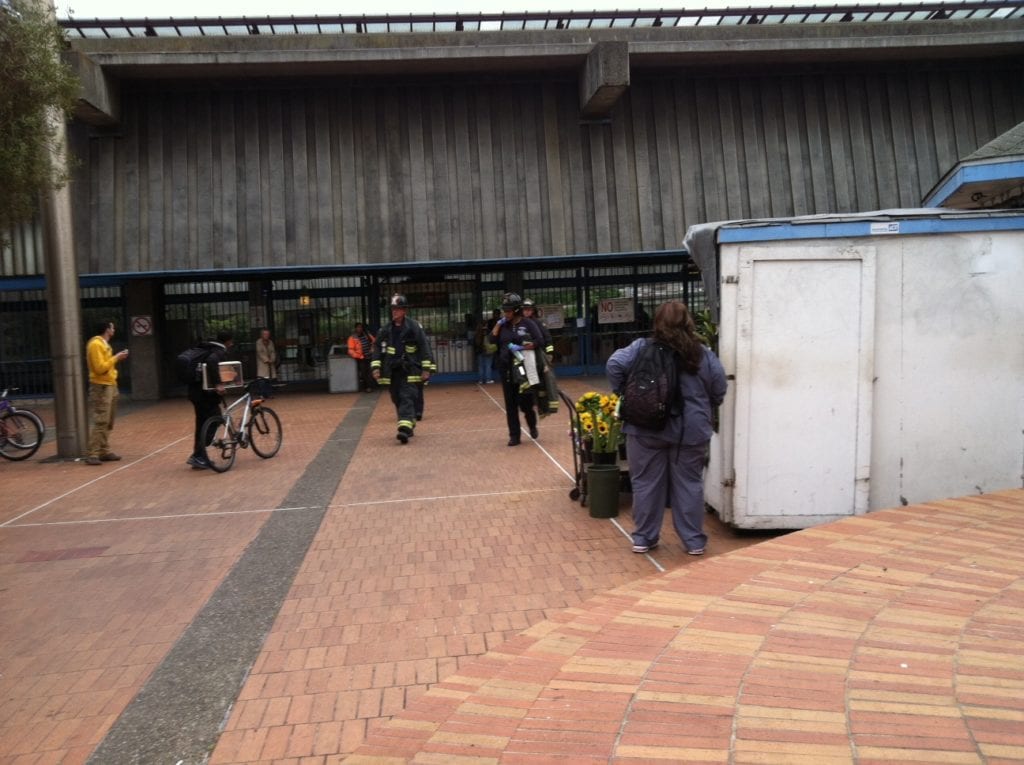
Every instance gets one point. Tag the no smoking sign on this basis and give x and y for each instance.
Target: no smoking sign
(142, 326)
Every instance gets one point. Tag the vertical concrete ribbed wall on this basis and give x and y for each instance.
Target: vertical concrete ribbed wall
(272, 176)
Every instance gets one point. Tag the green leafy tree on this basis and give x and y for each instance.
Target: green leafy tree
(35, 80)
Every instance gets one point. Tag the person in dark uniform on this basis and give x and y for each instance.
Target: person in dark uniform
(530, 312)
(401, 360)
(515, 337)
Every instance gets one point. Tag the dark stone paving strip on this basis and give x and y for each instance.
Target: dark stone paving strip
(178, 714)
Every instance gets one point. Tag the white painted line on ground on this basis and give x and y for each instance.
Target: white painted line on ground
(393, 501)
(557, 464)
(87, 521)
(629, 536)
(94, 480)
(569, 475)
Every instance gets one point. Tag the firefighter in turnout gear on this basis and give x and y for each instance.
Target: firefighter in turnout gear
(547, 391)
(515, 337)
(530, 312)
(401, 361)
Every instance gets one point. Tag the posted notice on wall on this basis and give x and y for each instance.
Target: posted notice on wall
(553, 315)
(615, 311)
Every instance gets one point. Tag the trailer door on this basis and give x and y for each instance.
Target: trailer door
(804, 361)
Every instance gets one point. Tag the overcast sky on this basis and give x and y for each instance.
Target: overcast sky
(183, 9)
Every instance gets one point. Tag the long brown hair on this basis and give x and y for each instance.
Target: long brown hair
(674, 326)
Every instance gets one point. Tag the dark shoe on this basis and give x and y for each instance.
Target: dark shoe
(198, 463)
(534, 434)
(403, 435)
(110, 457)
(92, 461)
(514, 441)
(698, 551)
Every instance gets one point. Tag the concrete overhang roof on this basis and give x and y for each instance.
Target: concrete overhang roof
(548, 51)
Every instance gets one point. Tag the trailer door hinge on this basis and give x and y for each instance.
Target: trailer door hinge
(728, 482)
(731, 279)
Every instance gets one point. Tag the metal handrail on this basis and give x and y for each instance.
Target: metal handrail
(546, 20)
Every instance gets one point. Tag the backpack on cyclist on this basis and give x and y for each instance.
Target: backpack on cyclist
(189, 362)
(651, 387)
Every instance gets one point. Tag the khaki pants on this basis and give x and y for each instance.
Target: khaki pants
(102, 408)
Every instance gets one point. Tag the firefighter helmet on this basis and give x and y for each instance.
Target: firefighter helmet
(399, 301)
(510, 301)
(528, 303)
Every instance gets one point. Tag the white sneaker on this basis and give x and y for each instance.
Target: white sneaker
(644, 548)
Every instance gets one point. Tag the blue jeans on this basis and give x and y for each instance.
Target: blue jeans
(485, 367)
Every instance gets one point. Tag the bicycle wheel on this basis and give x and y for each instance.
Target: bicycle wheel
(21, 434)
(265, 432)
(221, 443)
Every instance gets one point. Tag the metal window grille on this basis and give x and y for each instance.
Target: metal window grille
(25, 342)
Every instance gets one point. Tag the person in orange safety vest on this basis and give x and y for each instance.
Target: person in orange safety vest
(360, 347)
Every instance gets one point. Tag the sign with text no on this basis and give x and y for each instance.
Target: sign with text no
(615, 311)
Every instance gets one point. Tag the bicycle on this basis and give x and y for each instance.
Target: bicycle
(21, 430)
(257, 426)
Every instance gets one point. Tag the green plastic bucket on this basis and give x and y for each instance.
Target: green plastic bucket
(603, 490)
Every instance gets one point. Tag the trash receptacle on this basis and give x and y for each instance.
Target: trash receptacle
(342, 376)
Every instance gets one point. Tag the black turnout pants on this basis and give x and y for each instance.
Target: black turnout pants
(515, 402)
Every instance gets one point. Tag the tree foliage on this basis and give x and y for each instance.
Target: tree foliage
(35, 80)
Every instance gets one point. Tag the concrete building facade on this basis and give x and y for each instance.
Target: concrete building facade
(263, 155)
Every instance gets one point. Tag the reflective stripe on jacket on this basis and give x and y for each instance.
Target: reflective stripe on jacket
(411, 353)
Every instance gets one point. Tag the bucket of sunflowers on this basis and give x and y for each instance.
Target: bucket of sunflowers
(599, 434)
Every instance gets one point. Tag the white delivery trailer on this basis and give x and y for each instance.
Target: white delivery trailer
(874, 359)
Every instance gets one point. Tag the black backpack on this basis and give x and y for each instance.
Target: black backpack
(188, 361)
(651, 388)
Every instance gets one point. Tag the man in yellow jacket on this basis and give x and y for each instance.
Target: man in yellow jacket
(102, 392)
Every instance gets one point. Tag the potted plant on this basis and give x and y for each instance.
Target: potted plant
(600, 435)
(601, 430)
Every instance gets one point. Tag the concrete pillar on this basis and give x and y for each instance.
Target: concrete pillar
(142, 301)
(67, 343)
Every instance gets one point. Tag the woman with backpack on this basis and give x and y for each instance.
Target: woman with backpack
(666, 455)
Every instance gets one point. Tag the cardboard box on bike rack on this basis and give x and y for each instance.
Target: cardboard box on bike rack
(230, 375)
